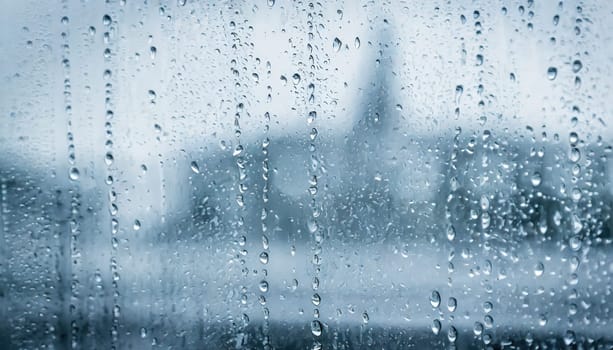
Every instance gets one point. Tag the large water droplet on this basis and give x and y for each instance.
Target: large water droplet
(436, 327)
(316, 328)
(435, 299)
(296, 78)
(73, 174)
(106, 20)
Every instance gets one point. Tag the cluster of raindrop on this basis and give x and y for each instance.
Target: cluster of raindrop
(241, 165)
(73, 174)
(313, 226)
(108, 35)
(264, 254)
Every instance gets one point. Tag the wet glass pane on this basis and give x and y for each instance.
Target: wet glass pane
(306, 175)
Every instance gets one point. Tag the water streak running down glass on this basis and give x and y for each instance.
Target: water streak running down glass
(275, 174)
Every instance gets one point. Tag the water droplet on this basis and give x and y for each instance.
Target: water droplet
(263, 286)
(436, 327)
(271, 3)
(136, 225)
(92, 30)
(479, 60)
(336, 44)
(542, 320)
(435, 299)
(451, 233)
(181, 2)
(195, 168)
(539, 269)
(152, 96)
(296, 78)
(556, 20)
(64, 20)
(536, 179)
(264, 258)
(569, 338)
(238, 151)
(153, 52)
(452, 304)
(459, 90)
(577, 65)
(488, 306)
(108, 158)
(478, 328)
(316, 328)
(552, 73)
(356, 42)
(73, 174)
(313, 134)
(316, 299)
(452, 334)
(106, 20)
(574, 155)
(575, 243)
(365, 317)
(143, 332)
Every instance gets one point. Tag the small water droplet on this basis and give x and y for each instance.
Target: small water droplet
(337, 44)
(365, 317)
(195, 168)
(478, 328)
(577, 65)
(536, 179)
(575, 243)
(65, 20)
(316, 299)
(552, 73)
(459, 90)
(452, 304)
(153, 52)
(451, 233)
(542, 320)
(539, 269)
(271, 3)
(136, 225)
(356, 42)
(152, 96)
(181, 2)
(569, 338)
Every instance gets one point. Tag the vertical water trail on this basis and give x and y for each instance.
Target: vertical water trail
(109, 35)
(73, 255)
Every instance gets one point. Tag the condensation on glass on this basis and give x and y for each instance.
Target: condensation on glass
(306, 175)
